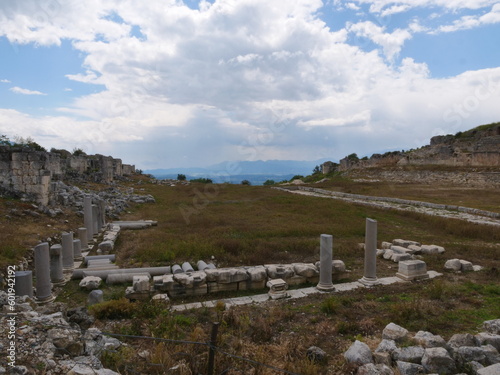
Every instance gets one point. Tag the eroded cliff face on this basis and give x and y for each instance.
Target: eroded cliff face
(32, 173)
(469, 149)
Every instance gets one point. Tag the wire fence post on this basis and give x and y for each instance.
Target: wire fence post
(211, 348)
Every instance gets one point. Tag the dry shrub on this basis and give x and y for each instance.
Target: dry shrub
(114, 309)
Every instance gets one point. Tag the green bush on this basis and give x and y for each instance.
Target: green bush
(114, 309)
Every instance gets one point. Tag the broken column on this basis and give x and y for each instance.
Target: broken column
(84, 240)
(100, 222)
(102, 210)
(56, 266)
(77, 250)
(370, 273)
(326, 256)
(95, 224)
(42, 273)
(67, 252)
(87, 216)
(24, 283)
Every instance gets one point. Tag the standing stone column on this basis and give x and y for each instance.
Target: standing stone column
(77, 250)
(325, 268)
(87, 217)
(42, 273)
(95, 224)
(24, 283)
(56, 265)
(370, 274)
(82, 235)
(102, 208)
(67, 252)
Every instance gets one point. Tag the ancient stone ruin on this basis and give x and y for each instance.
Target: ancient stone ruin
(32, 174)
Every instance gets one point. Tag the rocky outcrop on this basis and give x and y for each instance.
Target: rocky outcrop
(475, 148)
(31, 174)
(53, 340)
(432, 354)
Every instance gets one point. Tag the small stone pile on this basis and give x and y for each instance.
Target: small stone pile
(399, 250)
(53, 340)
(430, 354)
(460, 265)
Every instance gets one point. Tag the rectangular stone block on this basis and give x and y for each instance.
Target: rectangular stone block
(412, 270)
(251, 285)
(400, 249)
(214, 287)
(400, 257)
(296, 280)
(226, 275)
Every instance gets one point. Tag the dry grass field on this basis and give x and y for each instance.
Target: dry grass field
(252, 225)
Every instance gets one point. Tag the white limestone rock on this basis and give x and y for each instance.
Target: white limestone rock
(411, 354)
(453, 265)
(428, 340)
(140, 283)
(394, 332)
(466, 266)
(485, 338)
(438, 360)
(305, 269)
(191, 279)
(462, 339)
(372, 369)
(492, 326)
(386, 346)
(388, 254)
(358, 353)
(385, 245)
(490, 370)
(90, 282)
(407, 368)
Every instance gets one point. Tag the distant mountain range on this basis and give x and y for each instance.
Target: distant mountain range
(257, 172)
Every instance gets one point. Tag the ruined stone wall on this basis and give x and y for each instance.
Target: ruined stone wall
(128, 169)
(30, 173)
(478, 149)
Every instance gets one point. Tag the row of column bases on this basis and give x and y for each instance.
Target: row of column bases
(52, 263)
(326, 257)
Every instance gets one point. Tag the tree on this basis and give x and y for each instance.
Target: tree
(353, 157)
(4, 141)
(269, 182)
(246, 182)
(202, 180)
(181, 177)
(78, 152)
(317, 170)
(29, 143)
(297, 177)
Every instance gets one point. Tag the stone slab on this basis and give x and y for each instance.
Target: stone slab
(296, 293)
(348, 286)
(260, 298)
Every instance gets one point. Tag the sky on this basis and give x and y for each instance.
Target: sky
(171, 83)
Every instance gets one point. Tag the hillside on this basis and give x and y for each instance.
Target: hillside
(470, 158)
(478, 147)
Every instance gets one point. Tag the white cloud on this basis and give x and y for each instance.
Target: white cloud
(237, 80)
(19, 90)
(391, 43)
(389, 7)
(472, 21)
(4, 81)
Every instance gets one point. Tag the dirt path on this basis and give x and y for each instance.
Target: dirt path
(448, 211)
